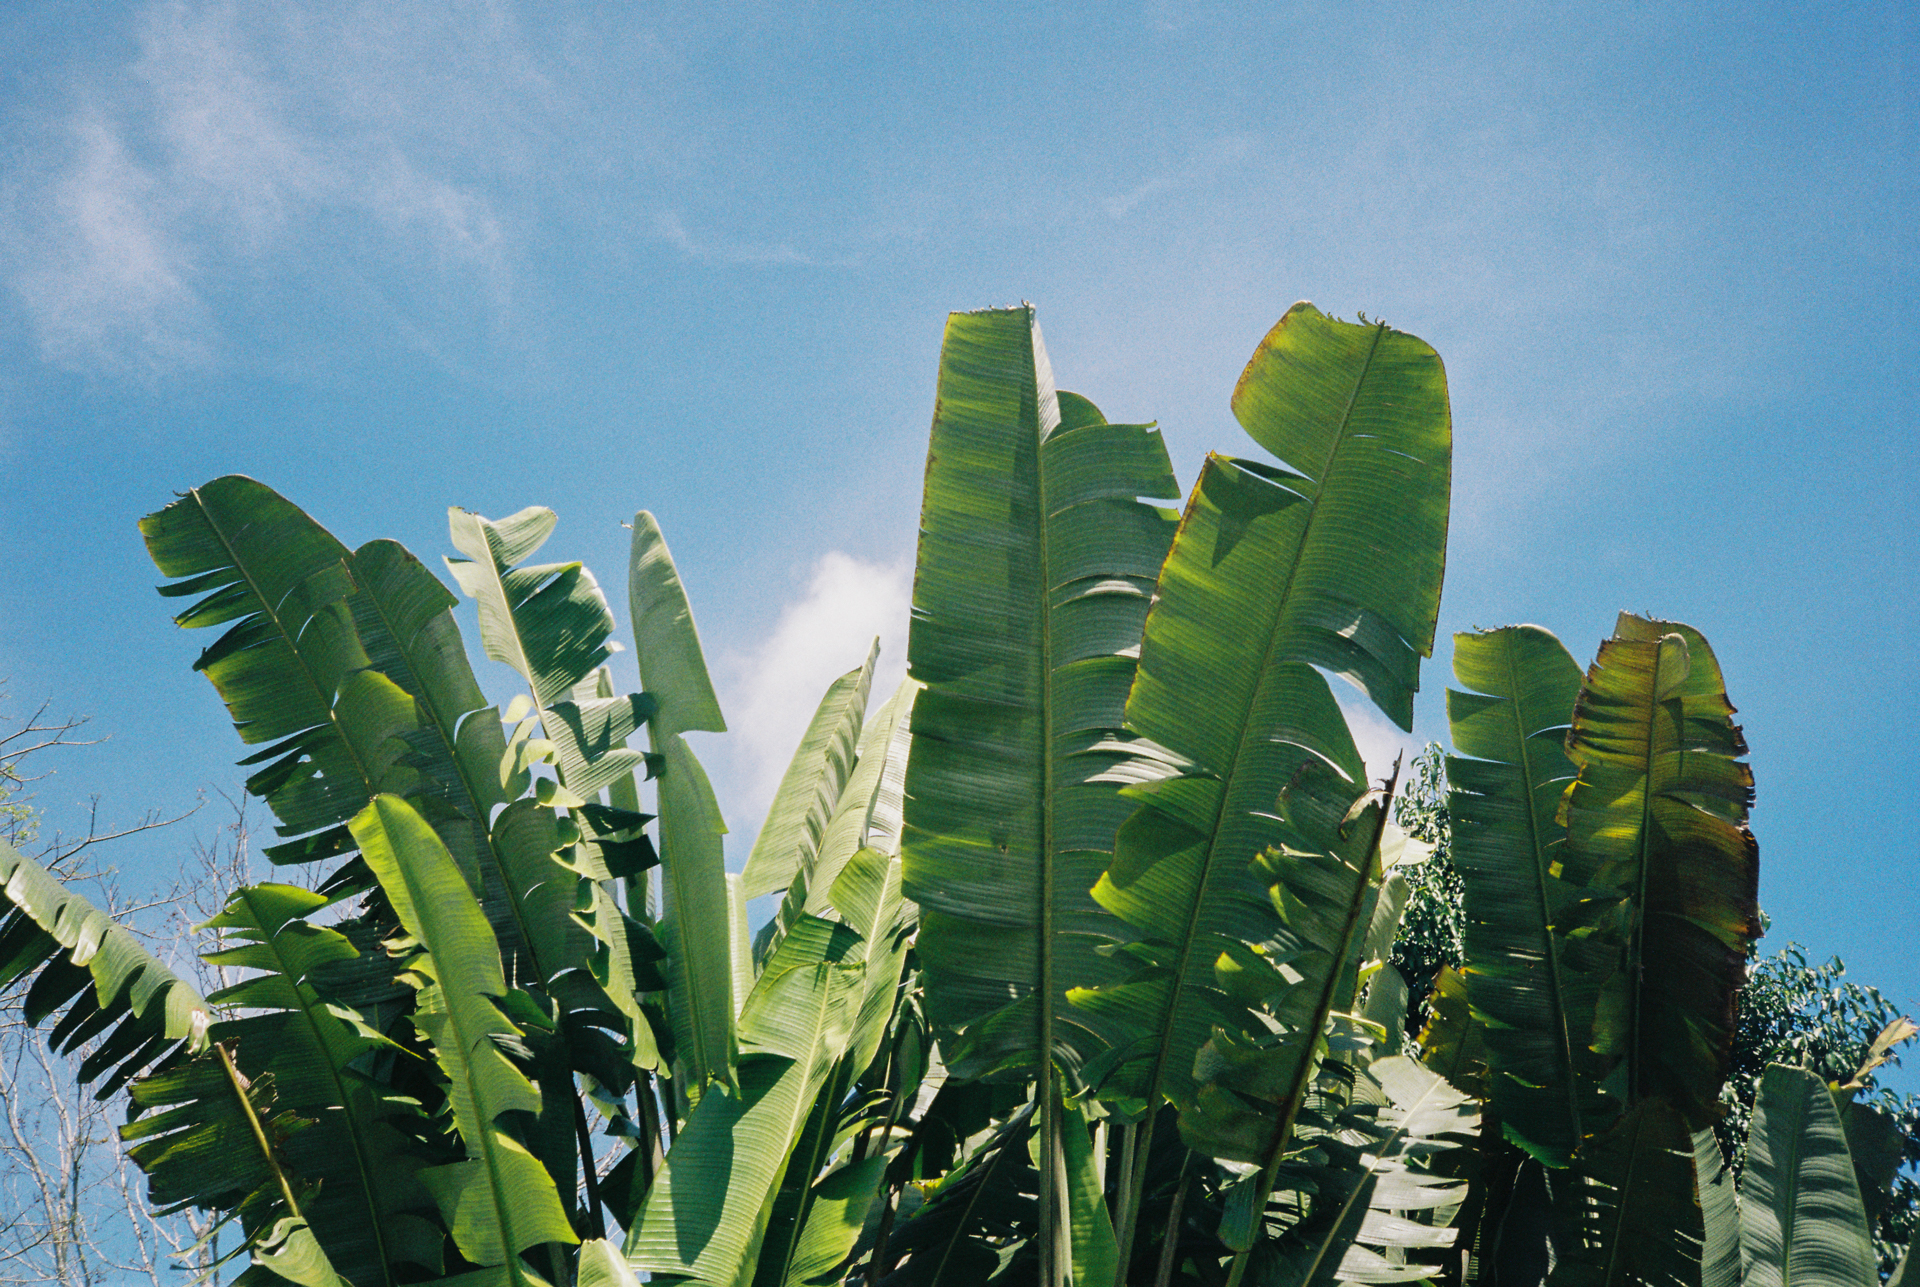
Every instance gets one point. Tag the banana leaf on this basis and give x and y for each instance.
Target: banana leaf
(500, 1201)
(404, 617)
(1454, 1043)
(1505, 784)
(1364, 1197)
(218, 1141)
(692, 928)
(360, 1146)
(1333, 563)
(1627, 1213)
(1253, 1078)
(811, 788)
(291, 667)
(820, 1208)
(1719, 1213)
(1802, 1221)
(672, 666)
(976, 1223)
(1035, 566)
(867, 815)
(707, 1215)
(109, 985)
(551, 624)
(1657, 839)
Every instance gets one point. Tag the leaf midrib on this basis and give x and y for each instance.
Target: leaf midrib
(272, 613)
(1181, 971)
(1636, 943)
(360, 1161)
(478, 814)
(1546, 913)
(1049, 1108)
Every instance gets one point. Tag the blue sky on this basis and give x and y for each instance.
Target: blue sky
(696, 259)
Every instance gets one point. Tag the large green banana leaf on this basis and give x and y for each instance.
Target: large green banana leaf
(1719, 1213)
(98, 971)
(976, 1223)
(370, 1211)
(822, 1203)
(500, 1201)
(1657, 836)
(289, 1252)
(707, 1215)
(704, 997)
(217, 1141)
(1505, 784)
(1334, 562)
(1802, 1221)
(866, 816)
(852, 876)
(326, 649)
(672, 665)
(1454, 1043)
(1627, 1212)
(694, 921)
(1380, 1175)
(1035, 565)
(405, 620)
(551, 623)
(1035, 568)
(811, 787)
(291, 668)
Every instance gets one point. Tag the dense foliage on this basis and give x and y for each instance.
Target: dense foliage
(1789, 1011)
(1080, 972)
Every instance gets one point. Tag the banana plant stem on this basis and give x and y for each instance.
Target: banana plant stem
(587, 1168)
(1133, 1184)
(1170, 1245)
(1124, 1202)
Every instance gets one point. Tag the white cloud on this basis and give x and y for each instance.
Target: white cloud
(105, 272)
(1377, 738)
(674, 232)
(770, 692)
(1201, 169)
(250, 142)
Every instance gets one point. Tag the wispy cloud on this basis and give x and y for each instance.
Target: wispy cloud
(674, 232)
(770, 692)
(1200, 169)
(245, 142)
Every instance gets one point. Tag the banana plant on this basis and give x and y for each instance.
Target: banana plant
(1800, 1212)
(1108, 863)
(1037, 558)
(1506, 778)
(351, 661)
(1600, 829)
(1279, 572)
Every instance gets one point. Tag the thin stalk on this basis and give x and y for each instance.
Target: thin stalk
(587, 1168)
(877, 1261)
(1170, 1245)
(1283, 1130)
(1138, 1147)
(239, 1085)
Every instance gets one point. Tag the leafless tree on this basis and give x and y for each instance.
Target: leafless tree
(76, 1207)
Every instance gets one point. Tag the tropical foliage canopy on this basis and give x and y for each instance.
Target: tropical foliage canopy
(1079, 972)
